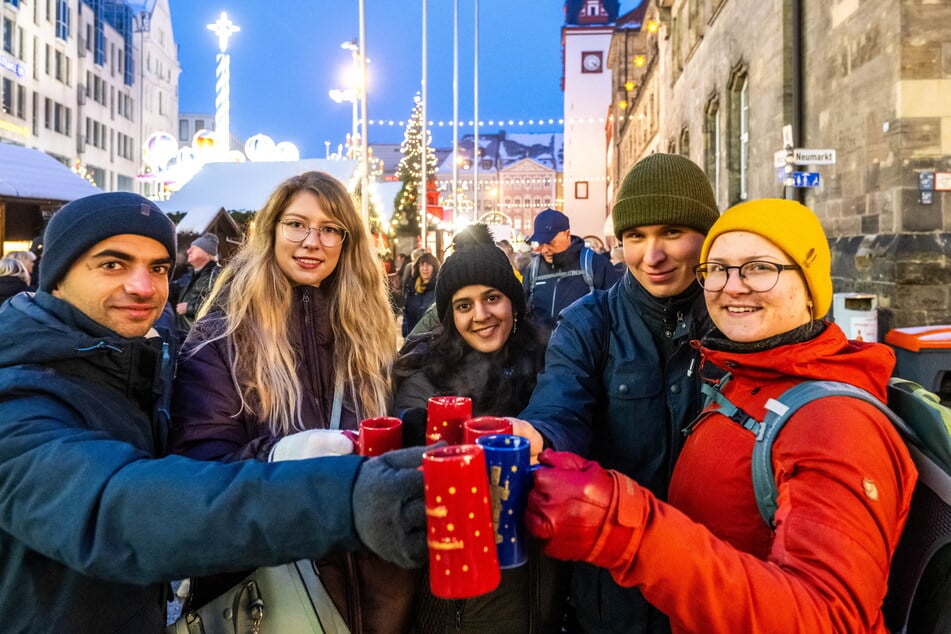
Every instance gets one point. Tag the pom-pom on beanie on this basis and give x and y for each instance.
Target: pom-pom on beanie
(476, 260)
(84, 222)
(793, 228)
(207, 242)
(664, 189)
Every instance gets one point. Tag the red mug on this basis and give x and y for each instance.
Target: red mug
(379, 435)
(475, 428)
(463, 560)
(444, 418)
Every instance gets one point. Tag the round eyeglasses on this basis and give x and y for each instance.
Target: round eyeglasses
(329, 235)
(758, 276)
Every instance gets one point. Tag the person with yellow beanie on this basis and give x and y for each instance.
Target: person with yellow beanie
(620, 381)
(707, 557)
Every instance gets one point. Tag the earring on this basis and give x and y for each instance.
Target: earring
(514, 324)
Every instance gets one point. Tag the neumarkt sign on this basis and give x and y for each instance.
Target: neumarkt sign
(803, 156)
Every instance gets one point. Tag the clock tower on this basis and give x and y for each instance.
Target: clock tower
(586, 82)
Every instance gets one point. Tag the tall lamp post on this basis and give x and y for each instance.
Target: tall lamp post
(355, 93)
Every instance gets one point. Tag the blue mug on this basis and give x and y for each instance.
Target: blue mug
(508, 459)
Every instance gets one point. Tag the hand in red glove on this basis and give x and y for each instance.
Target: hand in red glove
(584, 512)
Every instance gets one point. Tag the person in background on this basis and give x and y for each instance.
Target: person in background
(14, 278)
(193, 286)
(485, 348)
(28, 260)
(617, 259)
(420, 291)
(620, 381)
(294, 344)
(563, 269)
(93, 521)
(844, 476)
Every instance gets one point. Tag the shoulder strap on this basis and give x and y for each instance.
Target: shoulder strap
(532, 274)
(778, 412)
(587, 266)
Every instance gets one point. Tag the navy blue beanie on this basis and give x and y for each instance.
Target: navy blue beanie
(83, 223)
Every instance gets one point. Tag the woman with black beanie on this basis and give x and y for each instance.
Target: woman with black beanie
(486, 349)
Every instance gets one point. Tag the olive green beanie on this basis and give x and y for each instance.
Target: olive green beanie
(665, 189)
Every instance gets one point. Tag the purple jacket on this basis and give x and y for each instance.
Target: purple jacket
(207, 420)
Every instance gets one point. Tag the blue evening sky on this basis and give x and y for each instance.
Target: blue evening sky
(287, 57)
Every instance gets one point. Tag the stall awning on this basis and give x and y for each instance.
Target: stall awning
(31, 174)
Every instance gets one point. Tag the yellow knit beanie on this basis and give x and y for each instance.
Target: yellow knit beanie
(792, 227)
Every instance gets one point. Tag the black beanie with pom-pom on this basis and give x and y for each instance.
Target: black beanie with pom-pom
(476, 260)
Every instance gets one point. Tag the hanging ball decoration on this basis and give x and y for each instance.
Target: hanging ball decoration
(158, 150)
(287, 151)
(260, 147)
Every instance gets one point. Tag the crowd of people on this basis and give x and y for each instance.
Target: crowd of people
(156, 430)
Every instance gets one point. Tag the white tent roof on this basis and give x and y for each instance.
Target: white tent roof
(240, 187)
(32, 174)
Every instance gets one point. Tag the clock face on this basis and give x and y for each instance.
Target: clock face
(591, 62)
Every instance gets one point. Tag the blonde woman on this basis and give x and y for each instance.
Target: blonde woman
(294, 343)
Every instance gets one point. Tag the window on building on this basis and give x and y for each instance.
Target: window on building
(15, 3)
(183, 130)
(21, 102)
(48, 113)
(739, 148)
(8, 29)
(6, 96)
(711, 142)
(685, 141)
(62, 19)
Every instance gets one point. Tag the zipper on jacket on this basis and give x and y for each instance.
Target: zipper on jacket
(353, 594)
(460, 606)
(309, 351)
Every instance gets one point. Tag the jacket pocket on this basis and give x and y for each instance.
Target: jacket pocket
(631, 381)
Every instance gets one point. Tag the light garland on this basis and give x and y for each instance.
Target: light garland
(509, 122)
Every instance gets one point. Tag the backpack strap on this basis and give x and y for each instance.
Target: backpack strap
(587, 266)
(532, 274)
(779, 411)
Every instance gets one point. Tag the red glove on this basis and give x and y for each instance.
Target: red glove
(584, 512)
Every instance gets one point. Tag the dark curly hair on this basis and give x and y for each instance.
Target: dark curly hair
(499, 383)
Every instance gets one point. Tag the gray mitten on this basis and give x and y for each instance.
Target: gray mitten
(389, 511)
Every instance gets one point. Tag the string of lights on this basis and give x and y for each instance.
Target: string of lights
(508, 122)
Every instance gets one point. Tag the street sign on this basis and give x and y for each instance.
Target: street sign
(780, 175)
(805, 179)
(803, 156)
(779, 158)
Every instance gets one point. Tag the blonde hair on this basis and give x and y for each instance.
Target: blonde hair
(12, 267)
(256, 299)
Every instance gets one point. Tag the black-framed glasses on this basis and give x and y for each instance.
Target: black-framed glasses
(329, 235)
(759, 276)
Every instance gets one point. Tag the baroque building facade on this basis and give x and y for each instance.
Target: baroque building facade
(719, 80)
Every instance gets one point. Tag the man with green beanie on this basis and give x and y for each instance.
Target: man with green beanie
(620, 381)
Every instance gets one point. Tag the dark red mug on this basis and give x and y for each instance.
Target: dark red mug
(475, 428)
(445, 416)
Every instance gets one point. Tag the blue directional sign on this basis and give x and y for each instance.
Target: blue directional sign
(805, 179)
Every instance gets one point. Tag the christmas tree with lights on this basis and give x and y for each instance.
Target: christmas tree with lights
(406, 209)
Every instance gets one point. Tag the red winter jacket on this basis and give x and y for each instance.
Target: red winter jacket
(845, 481)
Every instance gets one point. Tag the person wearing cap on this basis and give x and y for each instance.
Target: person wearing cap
(487, 348)
(94, 522)
(563, 269)
(844, 476)
(193, 286)
(620, 381)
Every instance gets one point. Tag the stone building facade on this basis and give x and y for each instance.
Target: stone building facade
(870, 80)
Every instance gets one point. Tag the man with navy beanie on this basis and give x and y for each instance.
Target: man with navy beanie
(94, 522)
